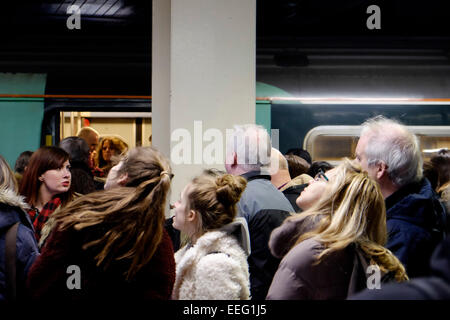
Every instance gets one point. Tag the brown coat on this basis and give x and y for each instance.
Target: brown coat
(298, 277)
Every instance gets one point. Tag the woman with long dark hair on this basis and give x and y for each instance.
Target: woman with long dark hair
(108, 147)
(46, 184)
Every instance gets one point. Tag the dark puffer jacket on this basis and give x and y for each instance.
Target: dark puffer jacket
(415, 224)
(265, 208)
(12, 210)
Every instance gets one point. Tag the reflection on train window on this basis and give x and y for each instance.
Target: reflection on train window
(333, 148)
(134, 127)
(332, 143)
(430, 144)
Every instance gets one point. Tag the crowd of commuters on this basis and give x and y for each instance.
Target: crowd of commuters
(89, 219)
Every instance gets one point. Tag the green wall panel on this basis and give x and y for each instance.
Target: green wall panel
(20, 118)
(263, 108)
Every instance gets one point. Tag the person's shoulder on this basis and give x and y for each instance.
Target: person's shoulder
(282, 237)
(304, 254)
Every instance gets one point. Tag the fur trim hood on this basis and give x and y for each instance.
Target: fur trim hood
(13, 208)
(10, 198)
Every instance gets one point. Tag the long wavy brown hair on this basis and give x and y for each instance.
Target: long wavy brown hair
(352, 211)
(116, 143)
(133, 214)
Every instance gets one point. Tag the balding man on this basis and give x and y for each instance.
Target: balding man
(390, 154)
(91, 136)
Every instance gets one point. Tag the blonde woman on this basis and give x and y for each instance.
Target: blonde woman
(14, 220)
(214, 263)
(115, 239)
(344, 223)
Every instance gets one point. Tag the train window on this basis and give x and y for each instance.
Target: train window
(332, 143)
(134, 127)
(431, 145)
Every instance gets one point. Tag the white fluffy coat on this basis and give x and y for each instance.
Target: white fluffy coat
(215, 268)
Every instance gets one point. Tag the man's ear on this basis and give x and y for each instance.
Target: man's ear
(123, 179)
(381, 170)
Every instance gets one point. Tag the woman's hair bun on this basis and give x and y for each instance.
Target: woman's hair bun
(230, 188)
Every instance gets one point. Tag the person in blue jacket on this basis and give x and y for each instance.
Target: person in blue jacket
(13, 210)
(434, 287)
(415, 218)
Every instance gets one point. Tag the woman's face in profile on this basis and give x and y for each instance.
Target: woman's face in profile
(180, 221)
(316, 187)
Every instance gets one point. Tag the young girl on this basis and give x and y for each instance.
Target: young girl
(344, 223)
(213, 265)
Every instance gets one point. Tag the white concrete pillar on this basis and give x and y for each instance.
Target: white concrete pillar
(203, 77)
(161, 75)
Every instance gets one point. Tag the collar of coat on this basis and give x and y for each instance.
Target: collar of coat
(10, 198)
(253, 175)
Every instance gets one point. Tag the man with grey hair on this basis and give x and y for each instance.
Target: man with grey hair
(415, 219)
(261, 204)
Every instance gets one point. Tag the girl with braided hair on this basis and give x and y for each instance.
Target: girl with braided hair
(213, 265)
(328, 248)
(114, 238)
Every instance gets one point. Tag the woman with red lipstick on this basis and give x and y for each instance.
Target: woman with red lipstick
(46, 184)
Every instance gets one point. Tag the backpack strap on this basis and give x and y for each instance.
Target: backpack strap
(10, 261)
